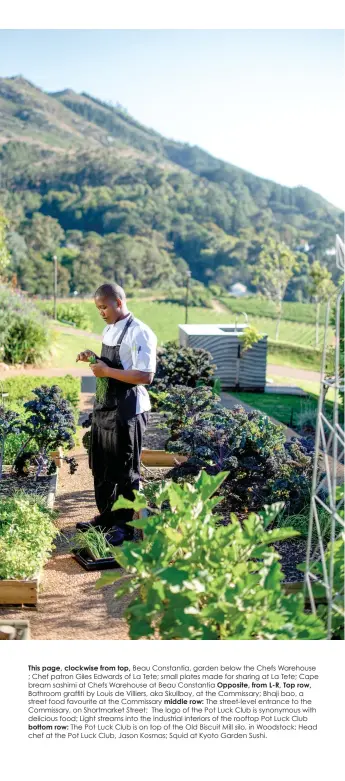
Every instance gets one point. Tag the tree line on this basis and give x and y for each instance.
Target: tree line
(145, 224)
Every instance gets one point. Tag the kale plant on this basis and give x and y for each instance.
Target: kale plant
(183, 404)
(262, 467)
(86, 439)
(50, 424)
(183, 366)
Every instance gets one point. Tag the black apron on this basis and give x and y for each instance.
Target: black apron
(106, 457)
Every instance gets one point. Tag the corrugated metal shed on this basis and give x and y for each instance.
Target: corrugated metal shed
(244, 370)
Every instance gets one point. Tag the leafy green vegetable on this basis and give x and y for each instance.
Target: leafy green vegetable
(27, 532)
(194, 579)
(262, 466)
(182, 366)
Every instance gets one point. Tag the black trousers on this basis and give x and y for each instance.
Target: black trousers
(126, 474)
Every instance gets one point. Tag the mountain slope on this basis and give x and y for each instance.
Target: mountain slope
(84, 172)
(28, 113)
(192, 158)
(111, 119)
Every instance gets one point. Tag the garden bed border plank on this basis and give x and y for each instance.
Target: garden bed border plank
(161, 458)
(19, 592)
(51, 496)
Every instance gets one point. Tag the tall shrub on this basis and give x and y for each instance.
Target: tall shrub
(24, 335)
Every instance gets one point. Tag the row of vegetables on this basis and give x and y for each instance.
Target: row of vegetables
(201, 572)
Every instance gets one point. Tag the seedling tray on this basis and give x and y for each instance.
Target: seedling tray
(93, 565)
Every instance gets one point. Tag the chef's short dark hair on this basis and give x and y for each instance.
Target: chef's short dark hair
(111, 291)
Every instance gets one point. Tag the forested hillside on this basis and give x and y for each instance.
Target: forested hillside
(112, 199)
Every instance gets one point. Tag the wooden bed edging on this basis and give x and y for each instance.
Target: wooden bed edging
(20, 592)
(161, 458)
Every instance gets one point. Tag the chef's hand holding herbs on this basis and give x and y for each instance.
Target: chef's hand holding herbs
(99, 368)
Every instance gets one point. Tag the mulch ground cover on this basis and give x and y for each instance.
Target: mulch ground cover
(10, 483)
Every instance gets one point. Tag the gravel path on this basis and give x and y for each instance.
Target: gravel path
(69, 606)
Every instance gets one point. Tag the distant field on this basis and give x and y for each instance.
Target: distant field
(260, 307)
(67, 345)
(290, 331)
(164, 319)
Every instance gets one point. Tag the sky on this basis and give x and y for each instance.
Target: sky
(268, 101)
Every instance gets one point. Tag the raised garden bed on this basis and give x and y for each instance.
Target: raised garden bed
(155, 437)
(19, 592)
(157, 432)
(25, 591)
(27, 533)
(20, 630)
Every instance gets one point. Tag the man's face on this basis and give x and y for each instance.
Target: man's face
(109, 309)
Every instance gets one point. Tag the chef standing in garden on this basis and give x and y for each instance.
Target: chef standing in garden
(126, 365)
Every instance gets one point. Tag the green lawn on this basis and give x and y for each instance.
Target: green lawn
(290, 355)
(66, 348)
(284, 407)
